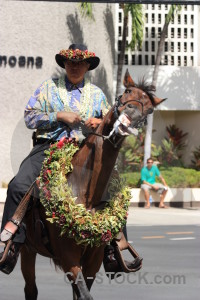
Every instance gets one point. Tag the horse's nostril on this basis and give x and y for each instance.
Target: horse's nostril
(130, 105)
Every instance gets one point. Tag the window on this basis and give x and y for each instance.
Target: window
(185, 47)
(166, 7)
(185, 61)
(146, 46)
(172, 60)
(172, 19)
(140, 59)
(192, 20)
(146, 33)
(179, 33)
(185, 33)
(185, 19)
(119, 45)
(179, 47)
(179, 19)
(192, 33)
(159, 19)
(179, 60)
(126, 60)
(172, 46)
(172, 32)
(192, 47)
(146, 60)
(166, 46)
(153, 32)
(153, 6)
(133, 59)
(152, 59)
(153, 18)
(159, 6)
(185, 7)
(146, 17)
(192, 60)
(119, 31)
(165, 60)
(120, 17)
(152, 46)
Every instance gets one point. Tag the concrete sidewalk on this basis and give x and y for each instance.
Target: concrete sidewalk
(159, 216)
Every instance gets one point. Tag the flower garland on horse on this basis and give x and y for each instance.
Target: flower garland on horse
(85, 226)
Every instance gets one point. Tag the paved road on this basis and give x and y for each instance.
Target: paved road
(168, 240)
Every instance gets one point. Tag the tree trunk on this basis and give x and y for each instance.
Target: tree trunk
(148, 137)
(121, 56)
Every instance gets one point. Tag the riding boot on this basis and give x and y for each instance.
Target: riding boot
(8, 265)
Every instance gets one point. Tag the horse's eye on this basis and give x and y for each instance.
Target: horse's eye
(127, 91)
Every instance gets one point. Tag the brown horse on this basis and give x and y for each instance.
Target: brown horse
(92, 167)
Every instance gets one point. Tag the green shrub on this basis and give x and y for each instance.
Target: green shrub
(175, 177)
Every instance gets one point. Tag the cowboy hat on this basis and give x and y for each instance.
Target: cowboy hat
(77, 53)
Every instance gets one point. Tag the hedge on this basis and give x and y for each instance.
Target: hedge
(175, 177)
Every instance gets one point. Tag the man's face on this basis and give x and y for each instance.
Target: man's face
(76, 70)
(149, 164)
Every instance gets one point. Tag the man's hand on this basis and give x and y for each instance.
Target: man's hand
(70, 118)
(92, 123)
(155, 187)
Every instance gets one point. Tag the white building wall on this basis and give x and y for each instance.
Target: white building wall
(180, 85)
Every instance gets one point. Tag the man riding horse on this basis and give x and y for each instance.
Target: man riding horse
(59, 108)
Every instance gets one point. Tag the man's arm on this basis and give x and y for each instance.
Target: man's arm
(163, 180)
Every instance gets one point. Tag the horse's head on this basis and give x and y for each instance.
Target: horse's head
(133, 106)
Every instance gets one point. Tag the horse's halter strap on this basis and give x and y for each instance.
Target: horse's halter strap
(118, 103)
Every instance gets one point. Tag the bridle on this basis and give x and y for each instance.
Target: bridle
(142, 121)
(139, 124)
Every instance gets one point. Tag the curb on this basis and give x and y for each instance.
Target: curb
(176, 197)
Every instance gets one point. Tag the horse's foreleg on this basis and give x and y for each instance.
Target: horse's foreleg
(28, 270)
(80, 290)
(91, 264)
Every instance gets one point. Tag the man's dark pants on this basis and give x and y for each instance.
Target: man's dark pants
(29, 170)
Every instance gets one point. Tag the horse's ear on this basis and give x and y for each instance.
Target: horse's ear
(157, 101)
(128, 81)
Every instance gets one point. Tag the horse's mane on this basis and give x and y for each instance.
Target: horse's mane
(146, 87)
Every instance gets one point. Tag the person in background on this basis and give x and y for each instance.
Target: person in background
(148, 179)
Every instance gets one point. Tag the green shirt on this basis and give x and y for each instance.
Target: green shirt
(150, 175)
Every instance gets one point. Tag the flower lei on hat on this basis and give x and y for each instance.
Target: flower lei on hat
(76, 54)
(86, 227)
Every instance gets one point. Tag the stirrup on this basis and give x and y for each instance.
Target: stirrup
(120, 244)
(5, 253)
(9, 258)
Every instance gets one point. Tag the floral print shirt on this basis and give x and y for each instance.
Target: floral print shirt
(55, 95)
